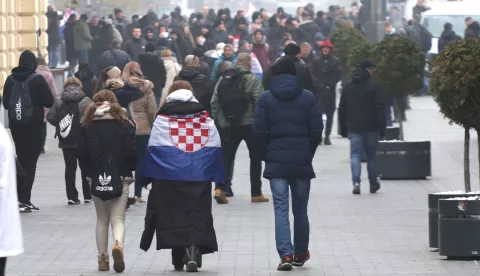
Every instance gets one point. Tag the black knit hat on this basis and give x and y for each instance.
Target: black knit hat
(284, 66)
(150, 47)
(292, 49)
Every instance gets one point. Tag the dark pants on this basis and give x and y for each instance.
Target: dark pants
(141, 144)
(3, 264)
(231, 139)
(44, 135)
(70, 157)
(28, 145)
(328, 108)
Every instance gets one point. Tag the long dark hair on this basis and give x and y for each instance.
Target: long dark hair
(102, 79)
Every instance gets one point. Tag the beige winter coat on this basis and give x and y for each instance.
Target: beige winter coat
(173, 68)
(145, 109)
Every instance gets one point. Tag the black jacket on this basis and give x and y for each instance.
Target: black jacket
(447, 37)
(303, 74)
(116, 137)
(153, 69)
(135, 47)
(88, 79)
(195, 78)
(362, 107)
(112, 57)
(69, 40)
(208, 93)
(310, 29)
(53, 29)
(327, 74)
(39, 92)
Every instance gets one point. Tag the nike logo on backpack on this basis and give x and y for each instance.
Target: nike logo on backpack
(66, 125)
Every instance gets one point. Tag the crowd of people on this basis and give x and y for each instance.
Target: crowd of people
(167, 101)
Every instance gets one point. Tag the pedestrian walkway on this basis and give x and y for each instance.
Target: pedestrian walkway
(383, 234)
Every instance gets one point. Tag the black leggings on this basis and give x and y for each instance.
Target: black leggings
(3, 264)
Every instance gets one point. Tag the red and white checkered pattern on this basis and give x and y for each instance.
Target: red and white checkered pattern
(189, 134)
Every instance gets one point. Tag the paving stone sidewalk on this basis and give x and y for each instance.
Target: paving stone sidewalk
(383, 234)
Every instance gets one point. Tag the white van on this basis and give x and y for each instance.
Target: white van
(449, 12)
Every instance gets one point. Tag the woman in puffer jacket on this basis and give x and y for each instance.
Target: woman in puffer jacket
(144, 111)
(172, 67)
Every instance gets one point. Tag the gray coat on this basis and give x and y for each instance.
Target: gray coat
(71, 93)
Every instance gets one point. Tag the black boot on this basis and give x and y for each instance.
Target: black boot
(327, 141)
(374, 187)
(192, 258)
(177, 258)
(228, 190)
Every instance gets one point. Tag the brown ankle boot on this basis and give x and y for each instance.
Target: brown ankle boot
(258, 199)
(220, 197)
(103, 264)
(118, 261)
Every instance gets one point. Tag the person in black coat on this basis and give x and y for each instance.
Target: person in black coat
(191, 74)
(309, 28)
(327, 71)
(135, 46)
(112, 57)
(88, 79)
(53, 36)
(28, 137)
(153, 69)
(362, 110)
(448, 35)
(304, 75)
(288, 128)
(204, 61)
(70, 52)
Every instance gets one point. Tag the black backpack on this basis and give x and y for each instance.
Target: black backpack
(68, 127)
(21, 106)
(106, 181)
(233, 98)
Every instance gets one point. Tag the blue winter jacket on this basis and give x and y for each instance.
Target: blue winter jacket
(288, 128)
(213, 74)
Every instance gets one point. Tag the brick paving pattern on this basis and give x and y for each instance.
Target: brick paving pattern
(383, 234)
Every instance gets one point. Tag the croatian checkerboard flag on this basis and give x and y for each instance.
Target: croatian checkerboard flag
(184, 148)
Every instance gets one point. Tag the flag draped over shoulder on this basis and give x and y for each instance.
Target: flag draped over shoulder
(184, 148)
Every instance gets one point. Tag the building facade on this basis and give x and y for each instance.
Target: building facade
(19, 22)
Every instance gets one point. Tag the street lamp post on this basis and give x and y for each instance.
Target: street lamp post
(376, 19)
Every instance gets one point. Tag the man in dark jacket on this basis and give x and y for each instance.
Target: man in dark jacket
(191, 74)
(71, 54)
(304, 75)
(27, 137)
(448, 35)
(219, 33)
(53, 36)
(362, 110)
(327, 72)
(153, 69)
(135, 46)
(88, 79)
(473, 30)
(112, 57)
(309, 27)
(288, 128)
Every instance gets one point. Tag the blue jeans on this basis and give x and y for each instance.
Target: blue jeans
(52, 56)
(141, 142)
(82, 56)
(359, 142)
(300, 193)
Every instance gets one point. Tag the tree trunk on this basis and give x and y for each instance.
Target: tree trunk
(466, 160)
(400, 109)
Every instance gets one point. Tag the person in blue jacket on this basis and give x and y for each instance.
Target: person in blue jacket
(228, 55)
(288, 127)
